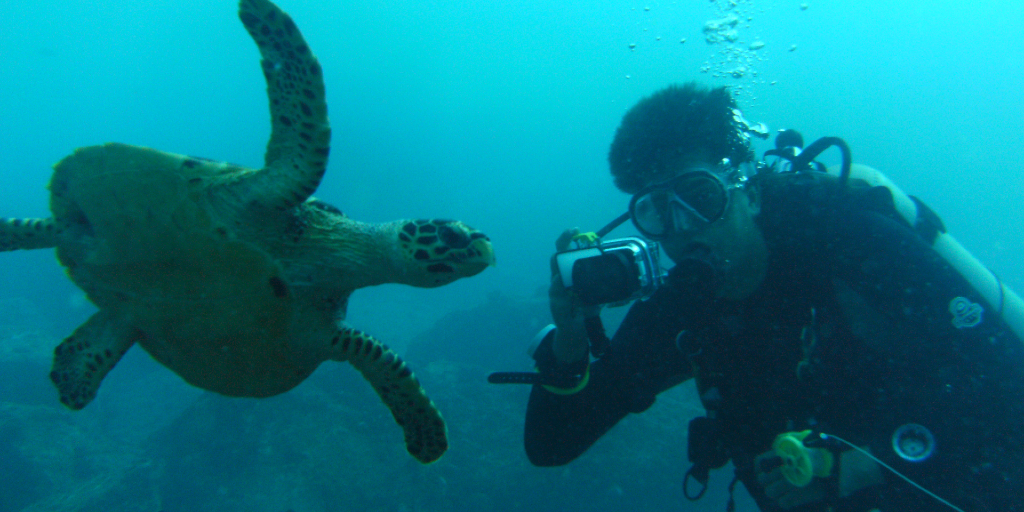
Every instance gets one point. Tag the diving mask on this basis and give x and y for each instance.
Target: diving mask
(686, 202)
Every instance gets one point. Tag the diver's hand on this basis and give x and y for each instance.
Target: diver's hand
(570, 344)
(856, 472)
(786, 495)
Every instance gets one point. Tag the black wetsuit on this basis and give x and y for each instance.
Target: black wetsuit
(851, 333)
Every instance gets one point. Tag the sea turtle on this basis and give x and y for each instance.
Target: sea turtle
(234, 278)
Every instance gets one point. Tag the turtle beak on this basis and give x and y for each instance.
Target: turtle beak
(481, 255)
(469, 260)
(445, 250)
(470, 248)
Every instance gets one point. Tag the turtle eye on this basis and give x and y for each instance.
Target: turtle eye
(454, 238)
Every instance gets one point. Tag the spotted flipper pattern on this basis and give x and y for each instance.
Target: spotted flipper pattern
(426, 436)
(300, 136)
(82, 360)
(27, 234)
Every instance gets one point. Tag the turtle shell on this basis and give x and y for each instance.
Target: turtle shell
(143, 243)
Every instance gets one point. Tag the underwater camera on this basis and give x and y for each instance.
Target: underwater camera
(614, 272)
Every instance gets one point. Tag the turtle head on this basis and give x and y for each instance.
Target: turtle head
(438, 252)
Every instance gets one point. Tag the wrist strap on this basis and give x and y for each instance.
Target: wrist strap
(557, 378)
(581, 383)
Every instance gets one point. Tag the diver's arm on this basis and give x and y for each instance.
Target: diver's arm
(570, 345)
(559, 428)
(641, 362)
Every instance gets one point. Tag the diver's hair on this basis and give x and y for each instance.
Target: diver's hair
(671, 126)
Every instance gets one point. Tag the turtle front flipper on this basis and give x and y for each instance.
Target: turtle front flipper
(27, 234)
(82, 360)
(300, 134)
(426, 436)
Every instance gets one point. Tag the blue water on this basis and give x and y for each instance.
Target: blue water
(495, 113)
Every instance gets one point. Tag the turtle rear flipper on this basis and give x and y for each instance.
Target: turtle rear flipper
(300, 135)
(426, 436)
(82, 360)
(27, 234)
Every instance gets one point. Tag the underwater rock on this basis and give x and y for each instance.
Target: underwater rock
(493, 335)
(58, 462)
(327, 446)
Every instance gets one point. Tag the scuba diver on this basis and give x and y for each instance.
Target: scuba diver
(849, 354)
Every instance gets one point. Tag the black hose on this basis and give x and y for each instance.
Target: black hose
(818, 147)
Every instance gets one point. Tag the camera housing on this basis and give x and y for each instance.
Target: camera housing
(613, 273)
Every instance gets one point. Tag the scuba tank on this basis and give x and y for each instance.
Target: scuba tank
(1004, 301)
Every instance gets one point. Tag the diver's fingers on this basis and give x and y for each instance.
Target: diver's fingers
(560, 245)
(563, 240)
